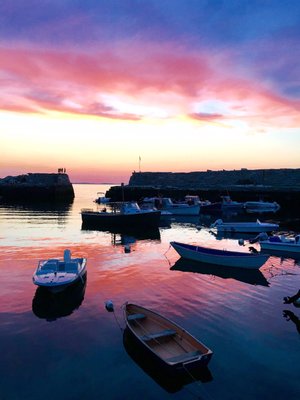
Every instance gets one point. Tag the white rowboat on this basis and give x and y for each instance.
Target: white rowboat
(220, 257)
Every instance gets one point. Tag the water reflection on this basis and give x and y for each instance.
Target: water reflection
(290, 316)
(252, 277)
(185, 219)
(123, 236)
(171, 382)
(233, 235)
(50, 306)
(39, 213)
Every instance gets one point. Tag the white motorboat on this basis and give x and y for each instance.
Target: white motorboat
(220, 257)
(280, 243)
(261, 206)
(56, 274)
(166, 204)
(247, 227)
(228, 204)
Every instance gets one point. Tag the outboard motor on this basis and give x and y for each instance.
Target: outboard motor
(216, 223)
(67, 255)
(261, 236)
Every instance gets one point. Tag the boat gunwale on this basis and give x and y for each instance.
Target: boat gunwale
(172, 365)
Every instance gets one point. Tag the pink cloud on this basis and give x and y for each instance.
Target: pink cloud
(34, 80)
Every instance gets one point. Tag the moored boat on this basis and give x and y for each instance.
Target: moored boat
(168, 342)
(228, 204)
(121, 214)
(166, 204)
(57, 274)
(247, 227)
(279, 243)
(220, 257)
(261, 206)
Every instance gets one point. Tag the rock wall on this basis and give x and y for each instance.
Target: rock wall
(37, 187)
(272, 179)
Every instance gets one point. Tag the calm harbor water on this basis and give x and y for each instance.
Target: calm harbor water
(68, 346)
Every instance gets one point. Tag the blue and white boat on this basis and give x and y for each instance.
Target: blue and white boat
(220, 257)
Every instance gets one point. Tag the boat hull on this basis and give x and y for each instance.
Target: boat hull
(246, 229)
(281, 249)
(169, 379)
(220, 257)
(159, 346)
(286, 247)
(182, 210)
(58, 281)
(101, 219)
(261, 206)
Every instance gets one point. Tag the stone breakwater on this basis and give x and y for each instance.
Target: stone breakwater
(268, 179)
(37, 187)
(281, 185)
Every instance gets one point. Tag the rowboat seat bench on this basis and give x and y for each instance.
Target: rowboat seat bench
(184, 357)
(134, 317)
(156, 335)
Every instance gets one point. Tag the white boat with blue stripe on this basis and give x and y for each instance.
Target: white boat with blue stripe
(220, 257)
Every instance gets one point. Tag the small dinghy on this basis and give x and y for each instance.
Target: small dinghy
(166, 341)
(55, 274)
(220, 257)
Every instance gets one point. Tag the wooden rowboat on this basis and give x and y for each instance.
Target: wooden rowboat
(165, 340)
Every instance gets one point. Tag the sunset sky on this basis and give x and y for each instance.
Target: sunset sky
(187, 85)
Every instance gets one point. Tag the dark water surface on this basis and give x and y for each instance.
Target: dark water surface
(68, 346)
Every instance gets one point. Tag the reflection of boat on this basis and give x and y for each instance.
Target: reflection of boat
(220, 257)
(251, 276)
(121, 214)
(169, 381)
(215, 207)
(261, 206)
(290, 316)
(51, 306)
(124, 235)
(247, 227)
(166, 204)
(232, 235)
(55, 274)
(295, 299)
(280, 244)
(186, 219)
(167, 342)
